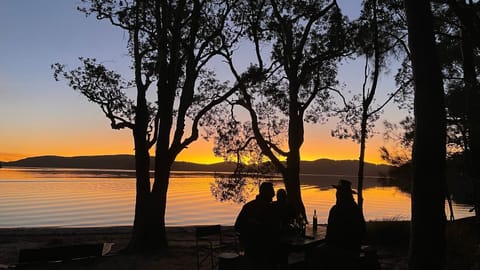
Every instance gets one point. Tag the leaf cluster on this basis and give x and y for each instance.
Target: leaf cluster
(103, 87)
(305, 39)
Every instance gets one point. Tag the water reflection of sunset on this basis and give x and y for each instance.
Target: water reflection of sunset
(376, 198)
(62, 197)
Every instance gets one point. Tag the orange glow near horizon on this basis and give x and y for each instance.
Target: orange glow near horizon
(198, 152)
(93, 137)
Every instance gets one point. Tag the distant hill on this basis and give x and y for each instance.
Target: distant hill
(127, 162)
(347, 167)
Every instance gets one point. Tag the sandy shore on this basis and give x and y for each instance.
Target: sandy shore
(181, 253)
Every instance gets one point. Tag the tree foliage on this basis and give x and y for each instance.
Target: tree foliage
(380, 34)
(170, 44)
(103, 87)
(304, 41)
(380, 39)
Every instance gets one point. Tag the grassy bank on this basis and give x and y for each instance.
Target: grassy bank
(462, 239)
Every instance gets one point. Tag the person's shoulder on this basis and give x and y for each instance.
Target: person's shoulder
(251, 203)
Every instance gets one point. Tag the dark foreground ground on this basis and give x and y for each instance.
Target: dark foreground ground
(390, 238)
(181, 254)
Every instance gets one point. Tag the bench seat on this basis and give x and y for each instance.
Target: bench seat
(62, 253)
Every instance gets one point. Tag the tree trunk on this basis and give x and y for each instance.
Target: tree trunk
(427, 239)
(141, 228)
(366, 102)
(163, 164)
(159, 201)
(295, 141)
(361, 160)
(292, 182)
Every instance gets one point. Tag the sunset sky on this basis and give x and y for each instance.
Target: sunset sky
(39, 116)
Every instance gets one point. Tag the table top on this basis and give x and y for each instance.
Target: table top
(302, 241)
(311, 238)
(319, 233)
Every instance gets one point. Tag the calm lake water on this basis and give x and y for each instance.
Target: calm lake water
(35, 197)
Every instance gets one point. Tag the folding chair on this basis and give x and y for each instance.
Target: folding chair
(209, 244)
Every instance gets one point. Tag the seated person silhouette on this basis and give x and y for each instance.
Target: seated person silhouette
(346, 224)
(257, 226)
(285, 211)
(345, 231)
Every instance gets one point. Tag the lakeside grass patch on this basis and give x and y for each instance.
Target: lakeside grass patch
(463, 250)
(462, 239)
(388, 232)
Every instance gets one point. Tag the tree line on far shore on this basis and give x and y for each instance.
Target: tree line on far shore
(127, 162)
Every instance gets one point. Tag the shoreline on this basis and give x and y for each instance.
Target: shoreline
(52, 230)
(180, 255)
(181, 245)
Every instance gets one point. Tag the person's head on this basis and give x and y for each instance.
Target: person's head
(281, 195)
(266, 192)
(344, 190)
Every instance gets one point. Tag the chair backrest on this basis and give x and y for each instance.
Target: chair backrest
(209, 230)
(211, 234)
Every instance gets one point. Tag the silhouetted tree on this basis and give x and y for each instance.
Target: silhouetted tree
(381, 32)
(427, 242)
(170, 44)
(230, 188)
(403, 136)
(305, 40)
(459, 29)
(458, 56)
(455, 23)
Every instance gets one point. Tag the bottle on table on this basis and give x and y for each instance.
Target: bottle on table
(302, 224)
(315, 220)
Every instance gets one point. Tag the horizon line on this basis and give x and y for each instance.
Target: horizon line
(153, 156)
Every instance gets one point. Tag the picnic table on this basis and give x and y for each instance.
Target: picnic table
(297, 246)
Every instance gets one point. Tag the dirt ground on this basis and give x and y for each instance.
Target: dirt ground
(180, 256)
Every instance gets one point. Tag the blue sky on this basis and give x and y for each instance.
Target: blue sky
(40, 116)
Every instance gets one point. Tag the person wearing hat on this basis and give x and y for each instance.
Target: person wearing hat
(258, 228)
(346, 226)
